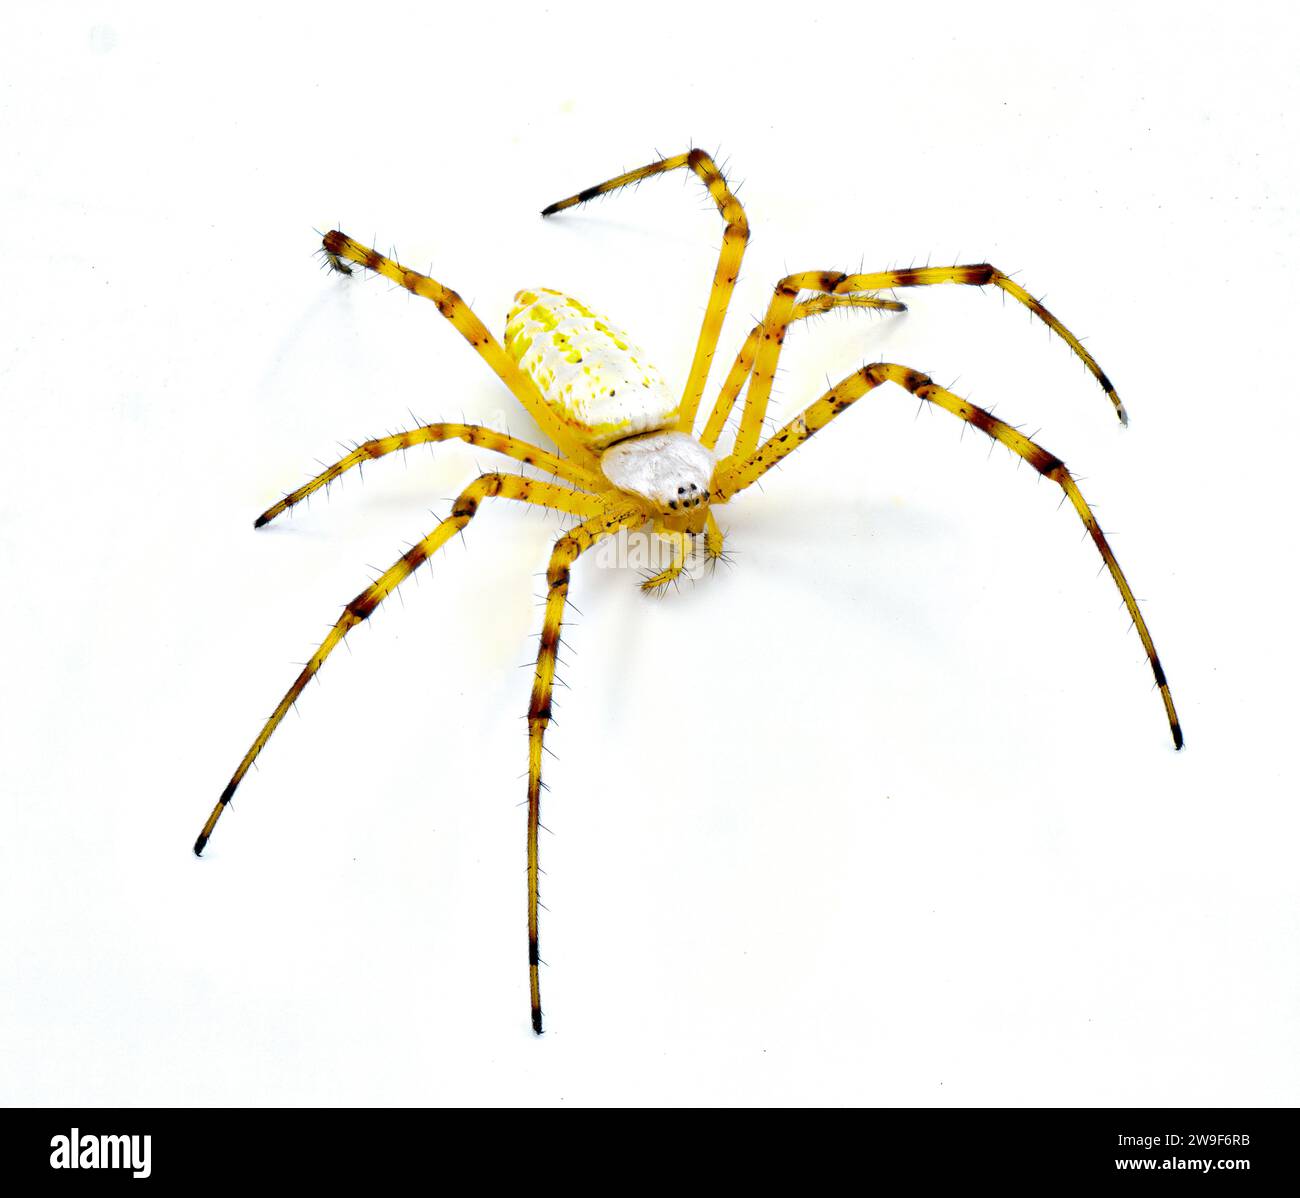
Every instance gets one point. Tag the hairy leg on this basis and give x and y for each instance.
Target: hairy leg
(780, 312)
(786, 440)
(474, 434)
(506, 486)
(744, 363)
(981, 274)
(681, 543)
(713, 539)
(734, 238)
(567, 550)
(341, 249)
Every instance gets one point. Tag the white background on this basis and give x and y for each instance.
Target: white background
(887, 813)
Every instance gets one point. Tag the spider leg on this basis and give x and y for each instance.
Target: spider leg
(339, 247)
(734, 238)
(744, 363)
(734, 478)
(474, 434)
(681, 543)
(981, 275)
(505, 486)
(567, 550)
(713, 538)
(780, 312)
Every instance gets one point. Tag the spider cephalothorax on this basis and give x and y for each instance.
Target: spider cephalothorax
(627, 453)
(671, 471)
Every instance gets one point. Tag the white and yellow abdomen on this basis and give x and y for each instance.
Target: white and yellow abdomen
(589, 373)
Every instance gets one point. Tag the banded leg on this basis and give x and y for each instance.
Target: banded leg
(734, 238)
(567, 550)
(982, 275)
(340, 249)
(744, 363)
(505, 486)
(780, 312)
(474, 434)
(733, 479)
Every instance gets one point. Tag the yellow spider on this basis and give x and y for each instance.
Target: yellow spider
(628, 454)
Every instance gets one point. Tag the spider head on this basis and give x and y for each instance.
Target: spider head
(669, 471)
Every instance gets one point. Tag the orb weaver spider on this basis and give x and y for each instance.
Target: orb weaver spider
(627, 451)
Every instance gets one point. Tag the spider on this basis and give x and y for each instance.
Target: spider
(628, 453)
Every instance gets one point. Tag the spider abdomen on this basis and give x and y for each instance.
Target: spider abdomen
(588, 371)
